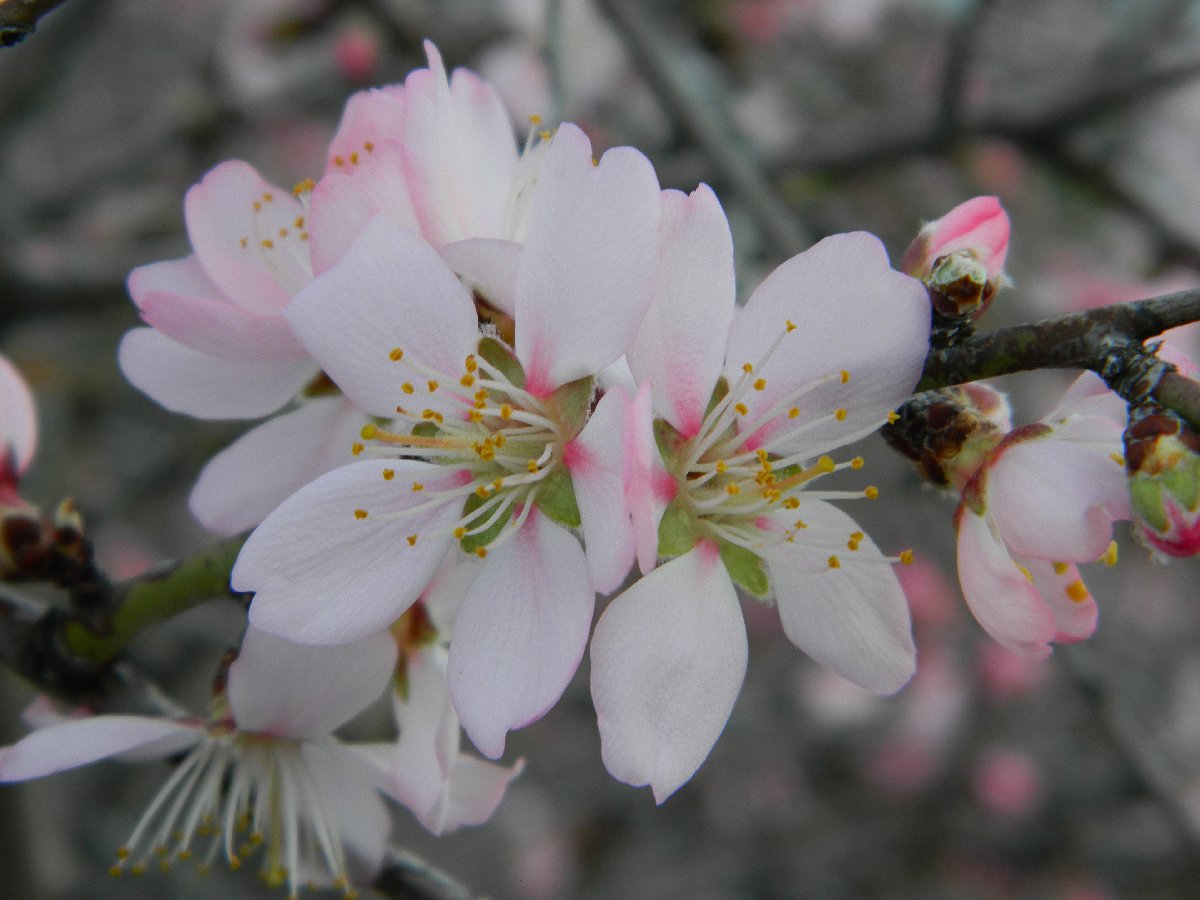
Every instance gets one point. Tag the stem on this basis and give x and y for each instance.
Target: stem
(153, 597)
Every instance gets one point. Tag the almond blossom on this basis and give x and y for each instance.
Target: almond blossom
(1041, 500)
(18, 428)
(479, 444)
(725, 441)
(261, 775)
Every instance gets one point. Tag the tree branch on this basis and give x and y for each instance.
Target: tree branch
(405, 876)
(18, 18)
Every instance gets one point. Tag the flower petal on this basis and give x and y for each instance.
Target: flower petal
(188, 381)
(323, 575)
(594, 461)
(590, 255)
(81, 741)
(428, 743)
(648, 487)
(218, 328)
(475, 789)
(680, 347)
(177, 276)
(348, 792)
(998, 594)
(852, 618)
(18, 418)
(370, 118)
(391, 289)
(1074, 608)
(853, 314)
(520, 632)
(283, 689)
(668, 661)
(489, 267)
(241, 485)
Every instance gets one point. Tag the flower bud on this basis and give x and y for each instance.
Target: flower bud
(1162, 457)
(949, 432)
(960, 257)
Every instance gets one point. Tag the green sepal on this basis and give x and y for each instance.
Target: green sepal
(556, 498)
(574, 403)
(472, 542)
(500, 358)
(426, 429)
(1183, 482)
(675, 534)
(1145, 495)
(745, 568)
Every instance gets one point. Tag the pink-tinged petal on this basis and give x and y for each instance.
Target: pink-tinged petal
(591, 250)
(217, 328)
(1056, 499)
(348, 789)
(520, 632)
(1074, 608)
(82, 741)
(18, 418)
(370, 118)
(175, 276)
(284, 689)
(594, 460)
(853, 314)
(390, 290)
(668, 661)
(474, 790)
(680, 346)
(347, 199)
(325, 576)
(445, 593)
(980, 225)
(424, 753)
(1088, 395)
(249, 245)
(997, 592)
(852, 617)
(187, 381)
(462, 153)
(489, 267)
(648, 487)
(243, 483)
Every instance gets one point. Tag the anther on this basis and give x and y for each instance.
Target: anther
(396, 354)
(389, 474)
(845, 376)
(1077, 591)
(356, 448)
(740, 409)
(268, 244)
(857, 463)
(840, 414)
(906, 557)
(368, 432)
(432, 385)
(893, 417)
(1110, 555)
(1060, 568)
(417, 486)
(871, 492)
(412, 540)
(834, 562)
(760, 383)
(360, 514)
(407, 387)
(790, 326)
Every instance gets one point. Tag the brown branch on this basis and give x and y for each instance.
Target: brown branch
(18, 18)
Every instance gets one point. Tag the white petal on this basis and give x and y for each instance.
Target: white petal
(590, 256)
(178, 276)
(680, 347)
(391, 289)
(324, 576)
(853, 618)
(348, 788)
(648, 487)
(852, 313)
(292, 690)
(81, 741)
(429, 735)
(594, 460)
(998, 594)
(1064, 593)
(18, 418)
(520, 632)
(668, 661)
(489, 267)
(243, 483)
(475, 789)
(187, 381)
(219, 328)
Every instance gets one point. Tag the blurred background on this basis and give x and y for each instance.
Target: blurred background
(989, 775)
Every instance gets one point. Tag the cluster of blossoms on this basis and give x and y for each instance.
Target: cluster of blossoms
(498, 380)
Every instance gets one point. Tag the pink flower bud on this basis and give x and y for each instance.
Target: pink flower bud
(961, 257)
(1162, 457)
(356, 53)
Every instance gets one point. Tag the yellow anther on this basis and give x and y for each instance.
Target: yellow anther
(825, 465)
(857, 535)
(845, 376)
(535, 119)
(1117, 458)
(1077, 591)
(497, 483)
(299, 223)
(460, 533)
(303, 187)
(732, 489)
(432, 385)
(906, 557)
(760, 383)
(747, 368)
(740, 409)
(793, 412)
(470, 364)
(532, 466)
(407, 387)
(1110, 555)
(412, 540)
(354, 158)
(268, 197)
(304, 235)
(467, 380)
(871, 492)
(481, 552)
(267, 243)
(122, 853)
(417, 486)
(368, 432)
(283, 232)
(1060, 568)
(834, 562)
(396, 354)
(893, 417)
(184, 855)
(360, 514)
(799, 523)
(369, 146)
(840, 414)
(857, 463)
(356, 448)
(138, 869)
(762, 455)
(791, 503)
(114, 871)
(338, 161)
(389, 474)
(475, 415)
(722, 466)
(235, 863)
(243, 242)
(546, 135)
(853, 543)
(257, 206)
(432, 415)
(506, 411)
(790, 326)
(482, 491)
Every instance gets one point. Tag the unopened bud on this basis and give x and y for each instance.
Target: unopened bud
(949, 432)
(960, 257)
(1162, 457)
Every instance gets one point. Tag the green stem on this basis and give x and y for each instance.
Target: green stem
(154, 597)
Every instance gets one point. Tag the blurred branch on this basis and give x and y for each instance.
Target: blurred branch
(957, 67)
(405, 876)
(1106, 340)
(730, 156)
(18, 18)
